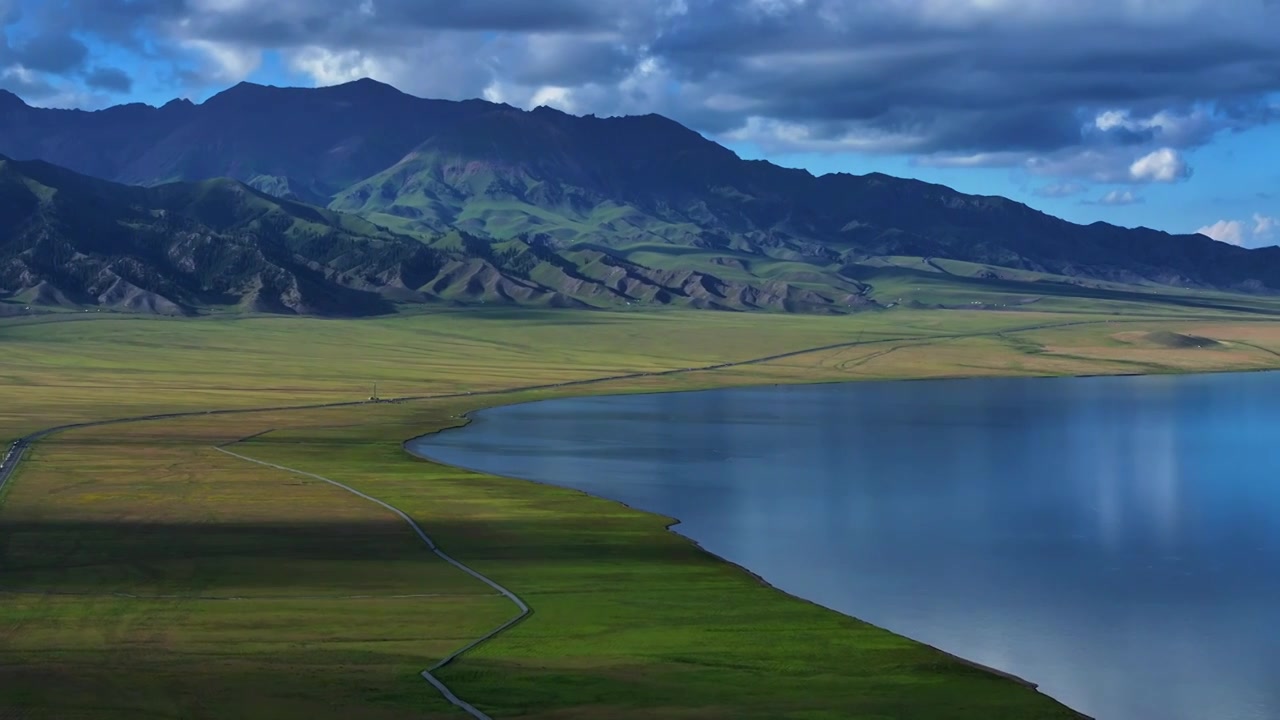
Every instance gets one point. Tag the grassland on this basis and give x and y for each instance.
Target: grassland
(147, 575)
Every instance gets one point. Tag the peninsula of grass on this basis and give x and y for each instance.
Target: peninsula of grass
(145, 574)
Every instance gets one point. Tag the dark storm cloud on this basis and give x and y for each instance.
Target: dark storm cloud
(498, 15)
(551, 60)
(109, 79)
(50, 52)
(1088, 87)
(284, 23)
(975, 81)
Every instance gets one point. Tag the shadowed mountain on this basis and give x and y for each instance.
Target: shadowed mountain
(74, 241)
(601, 210)
(303, 143)
(67, 239)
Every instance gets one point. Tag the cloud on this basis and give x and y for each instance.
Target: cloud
(431, 64)
(24, 82)
(1186, 128)
(50, 52)
(1265, 226)
(1227, 231)
(1102, 165)
(1164, 165)
(1260, 231)
(1079, 91)
(782, 136)
(1060, 190)
(555, 96)
(334, 68)
(109, 79)
(221, 61)
(1119, 197)
(36, 88)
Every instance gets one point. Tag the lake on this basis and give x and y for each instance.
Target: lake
(1116, 540)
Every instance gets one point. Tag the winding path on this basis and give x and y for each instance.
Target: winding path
(520, 604)
(10, 461)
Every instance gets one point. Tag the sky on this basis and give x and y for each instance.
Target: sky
(1159, 113)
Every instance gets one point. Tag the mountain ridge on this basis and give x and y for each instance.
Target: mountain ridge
(576, 193)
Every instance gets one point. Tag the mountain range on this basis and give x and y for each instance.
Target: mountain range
(357, 198)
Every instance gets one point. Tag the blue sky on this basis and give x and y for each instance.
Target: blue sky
(1164, 114)
(1236, 176)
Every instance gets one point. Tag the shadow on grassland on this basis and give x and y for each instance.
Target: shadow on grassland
(77, 556)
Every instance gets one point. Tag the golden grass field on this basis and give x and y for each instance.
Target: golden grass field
(147, 575)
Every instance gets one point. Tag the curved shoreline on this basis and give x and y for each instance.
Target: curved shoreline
(467, 420)
(26, 442)
(13, 457)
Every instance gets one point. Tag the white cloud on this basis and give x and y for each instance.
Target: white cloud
(1112, 165)
(972, 160)
(560, 98)
(333, 68)
(1111, 119)
(646, 88)
(1227, 231)
(230, 63)
(1164, 166)
(1120, 197)
(20, 74)
(1178, 129)
(428, 69)
(1060, 190)
(1265, 226)
(1261, 230)
(780, 136)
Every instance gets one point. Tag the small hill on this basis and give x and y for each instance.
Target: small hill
(1179, 340)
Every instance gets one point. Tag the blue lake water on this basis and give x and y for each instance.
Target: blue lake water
(1116, 540)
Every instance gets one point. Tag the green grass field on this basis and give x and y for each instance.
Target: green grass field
(145, 574)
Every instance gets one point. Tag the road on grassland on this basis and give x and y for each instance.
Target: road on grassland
(14, 455)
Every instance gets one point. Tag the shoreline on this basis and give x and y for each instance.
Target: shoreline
(602, 386)
(570, 544)
(466, 415)
(467, 419)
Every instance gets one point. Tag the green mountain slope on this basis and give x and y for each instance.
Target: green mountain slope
(70, 240)
(73, 241)
(562, 209)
